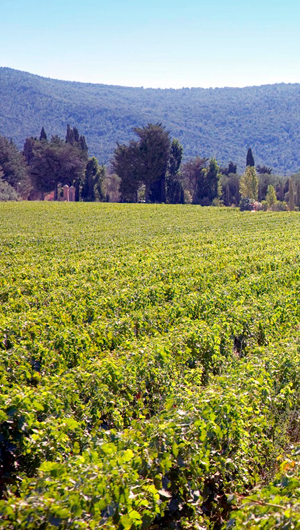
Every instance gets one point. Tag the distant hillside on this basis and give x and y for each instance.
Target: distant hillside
(222, 122)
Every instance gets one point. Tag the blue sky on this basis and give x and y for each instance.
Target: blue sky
(157, 43)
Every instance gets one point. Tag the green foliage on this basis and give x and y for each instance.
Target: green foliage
(13, 168)
(230, 189)
(271, 196)
(193, 175)
(250, 158)
(209, 118)
(291, 195)
(146, 162)
(93, 182)
(155, 151)
(43, 135)
(174, 184)
(264, 170)
(249, 184)
(246, 204)
(276, 506)
(55, 162)
(7, 192)
(149, 363)
(126, 164)
(208, 185)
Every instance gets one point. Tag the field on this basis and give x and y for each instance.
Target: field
(149, 373)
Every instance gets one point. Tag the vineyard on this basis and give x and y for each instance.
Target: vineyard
(149, 373)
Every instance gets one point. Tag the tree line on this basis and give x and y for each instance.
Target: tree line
(147, 169)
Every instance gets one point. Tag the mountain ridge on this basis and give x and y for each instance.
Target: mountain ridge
(220, 122)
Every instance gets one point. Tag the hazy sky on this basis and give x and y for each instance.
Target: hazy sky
(157, 43)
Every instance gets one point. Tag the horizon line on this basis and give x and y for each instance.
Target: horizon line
(146, 87)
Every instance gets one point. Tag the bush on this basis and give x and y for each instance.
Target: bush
(7, 192)
(279, 206)
(246, 204)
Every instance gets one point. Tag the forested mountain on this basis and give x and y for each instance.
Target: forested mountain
(221, 122)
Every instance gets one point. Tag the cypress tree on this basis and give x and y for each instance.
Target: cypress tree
(43, 135)
(250, 158)
(70, 135)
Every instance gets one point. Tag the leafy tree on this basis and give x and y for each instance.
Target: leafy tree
(282, 187)
(112, 187)
(192, 172)
(126, 164)
(28, 148)
(250, 158)
(297, 190)
(14, 167)
(92, 188)
(208, 185)
(249, 184)
(264, 180)
(291, 195)
(231, 169)
(7, 192)
(174, 187)
(73, 138)
(271, 196)
(144, 162)
(263, 170)
(154, 146)
(176, 154)
(56, 162)
(230, 189)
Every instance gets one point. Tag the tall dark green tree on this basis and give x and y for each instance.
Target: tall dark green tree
(193, 174)
(208, 187)
(174, 187)
(144, 162)
(154, 145)
(43, 135)
(127, 165)
(92, 188)
(250, 158)
(78, 141)
(28, 149)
